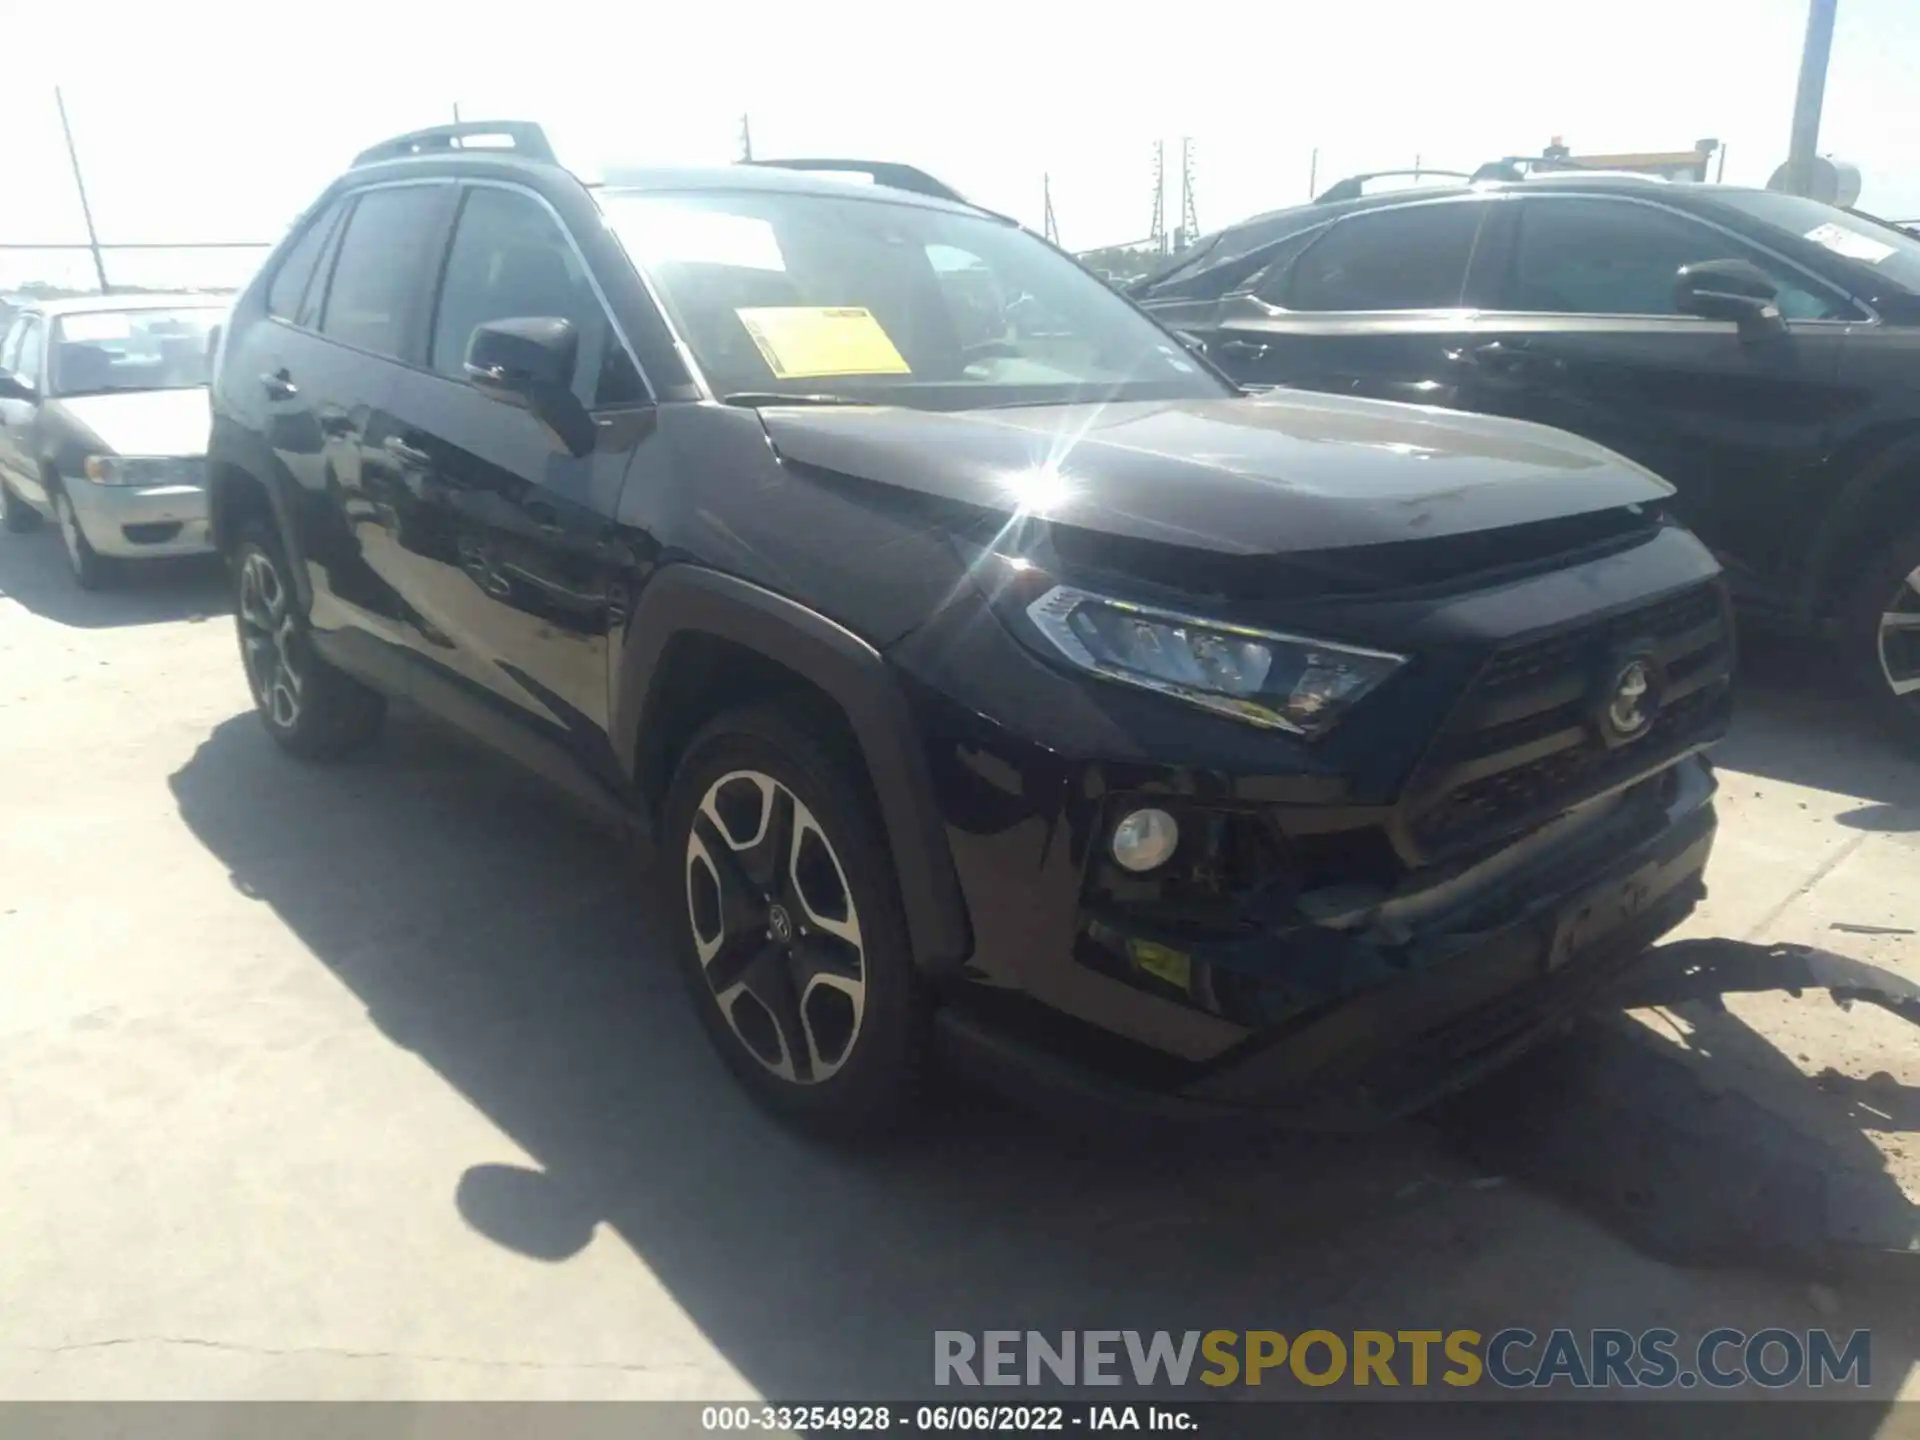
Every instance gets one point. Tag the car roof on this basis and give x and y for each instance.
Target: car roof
(88, 304)
(761, 177)
(1548, 183)
(764, 178)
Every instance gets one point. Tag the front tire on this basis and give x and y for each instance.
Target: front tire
(309, 708)
(788, 927)
(91, 570)
(1880, 634)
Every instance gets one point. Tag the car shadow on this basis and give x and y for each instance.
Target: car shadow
(34, 573)
(508, 945)
(1798, 721)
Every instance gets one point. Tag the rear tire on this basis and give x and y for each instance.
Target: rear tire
(1880, 636)
(310, 708)
(16, 516)
(788, 927)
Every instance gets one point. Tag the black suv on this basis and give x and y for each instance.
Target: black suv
(986, 673)
(1761, 351)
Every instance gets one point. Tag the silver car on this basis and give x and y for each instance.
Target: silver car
(104, 403)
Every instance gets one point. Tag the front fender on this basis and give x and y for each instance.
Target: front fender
(689, 598)
(1868, 501)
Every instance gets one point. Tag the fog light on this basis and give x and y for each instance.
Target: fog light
(1144, 839)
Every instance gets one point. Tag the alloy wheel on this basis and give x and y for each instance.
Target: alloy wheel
(775, 927)
(1900, 638)
(266, 640)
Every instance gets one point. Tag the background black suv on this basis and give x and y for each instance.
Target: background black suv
(982, 667)
(1758, 350)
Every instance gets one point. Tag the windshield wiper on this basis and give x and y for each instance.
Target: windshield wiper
(753, 399)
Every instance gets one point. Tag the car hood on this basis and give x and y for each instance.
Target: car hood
(1270, 474)
(141, 422)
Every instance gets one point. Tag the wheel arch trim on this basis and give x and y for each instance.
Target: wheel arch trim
(224, 473)
(1877, 474)
(685, 598)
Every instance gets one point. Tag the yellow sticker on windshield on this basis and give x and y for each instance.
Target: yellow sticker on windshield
(803, 342)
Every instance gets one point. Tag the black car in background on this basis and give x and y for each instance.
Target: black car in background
(1760, 351)
(986, 674)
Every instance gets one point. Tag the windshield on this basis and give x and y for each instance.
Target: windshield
(803, 293)
(98, 352)
(1893, 252)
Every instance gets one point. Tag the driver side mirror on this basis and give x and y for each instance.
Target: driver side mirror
(12, 387)
(529, 364)
(1736, 290)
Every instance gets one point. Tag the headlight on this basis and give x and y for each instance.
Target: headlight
(1287, 682)
(145, 470)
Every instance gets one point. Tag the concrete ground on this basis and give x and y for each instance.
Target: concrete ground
(371, 1081)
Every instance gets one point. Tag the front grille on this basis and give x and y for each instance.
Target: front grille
(156, 532)
(1514, 669)
(1524, 745)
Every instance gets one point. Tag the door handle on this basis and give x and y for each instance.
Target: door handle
(1241, 349)
(406, 454)
(279, 385)
(1495, 356)
(542, 514)
(1499, 357)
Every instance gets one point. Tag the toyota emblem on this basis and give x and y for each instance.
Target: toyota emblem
(1630, 701)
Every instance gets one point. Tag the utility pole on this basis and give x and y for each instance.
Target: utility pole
(1808, 98)
(1049, 226)
(86, 210)
(1189, 221)
(1158, 233)
(746, 139)
(1313, 174)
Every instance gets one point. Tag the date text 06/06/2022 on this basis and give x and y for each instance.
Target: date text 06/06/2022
(931, 1419)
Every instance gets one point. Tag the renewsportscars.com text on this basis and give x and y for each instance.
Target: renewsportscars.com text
(1513, 1358)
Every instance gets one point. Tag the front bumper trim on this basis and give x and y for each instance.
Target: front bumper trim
(1401, 1045)
(141, 521)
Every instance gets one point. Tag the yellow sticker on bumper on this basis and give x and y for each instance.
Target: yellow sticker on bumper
(804, 342)
(1173, 966)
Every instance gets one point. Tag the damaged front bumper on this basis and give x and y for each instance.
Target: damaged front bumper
(1388, 1002)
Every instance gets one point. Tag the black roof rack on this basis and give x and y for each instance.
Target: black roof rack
(1525, 167)
(1354, 186)
(882, 172)
(523, 136)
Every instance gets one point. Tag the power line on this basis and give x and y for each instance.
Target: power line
(1157, 234)
(86, 210)
(1189, 220)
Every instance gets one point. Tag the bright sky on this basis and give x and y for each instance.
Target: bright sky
(219, 120)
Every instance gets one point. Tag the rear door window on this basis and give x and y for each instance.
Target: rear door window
(1409, 257)
(1600, 256)
(376, 294)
